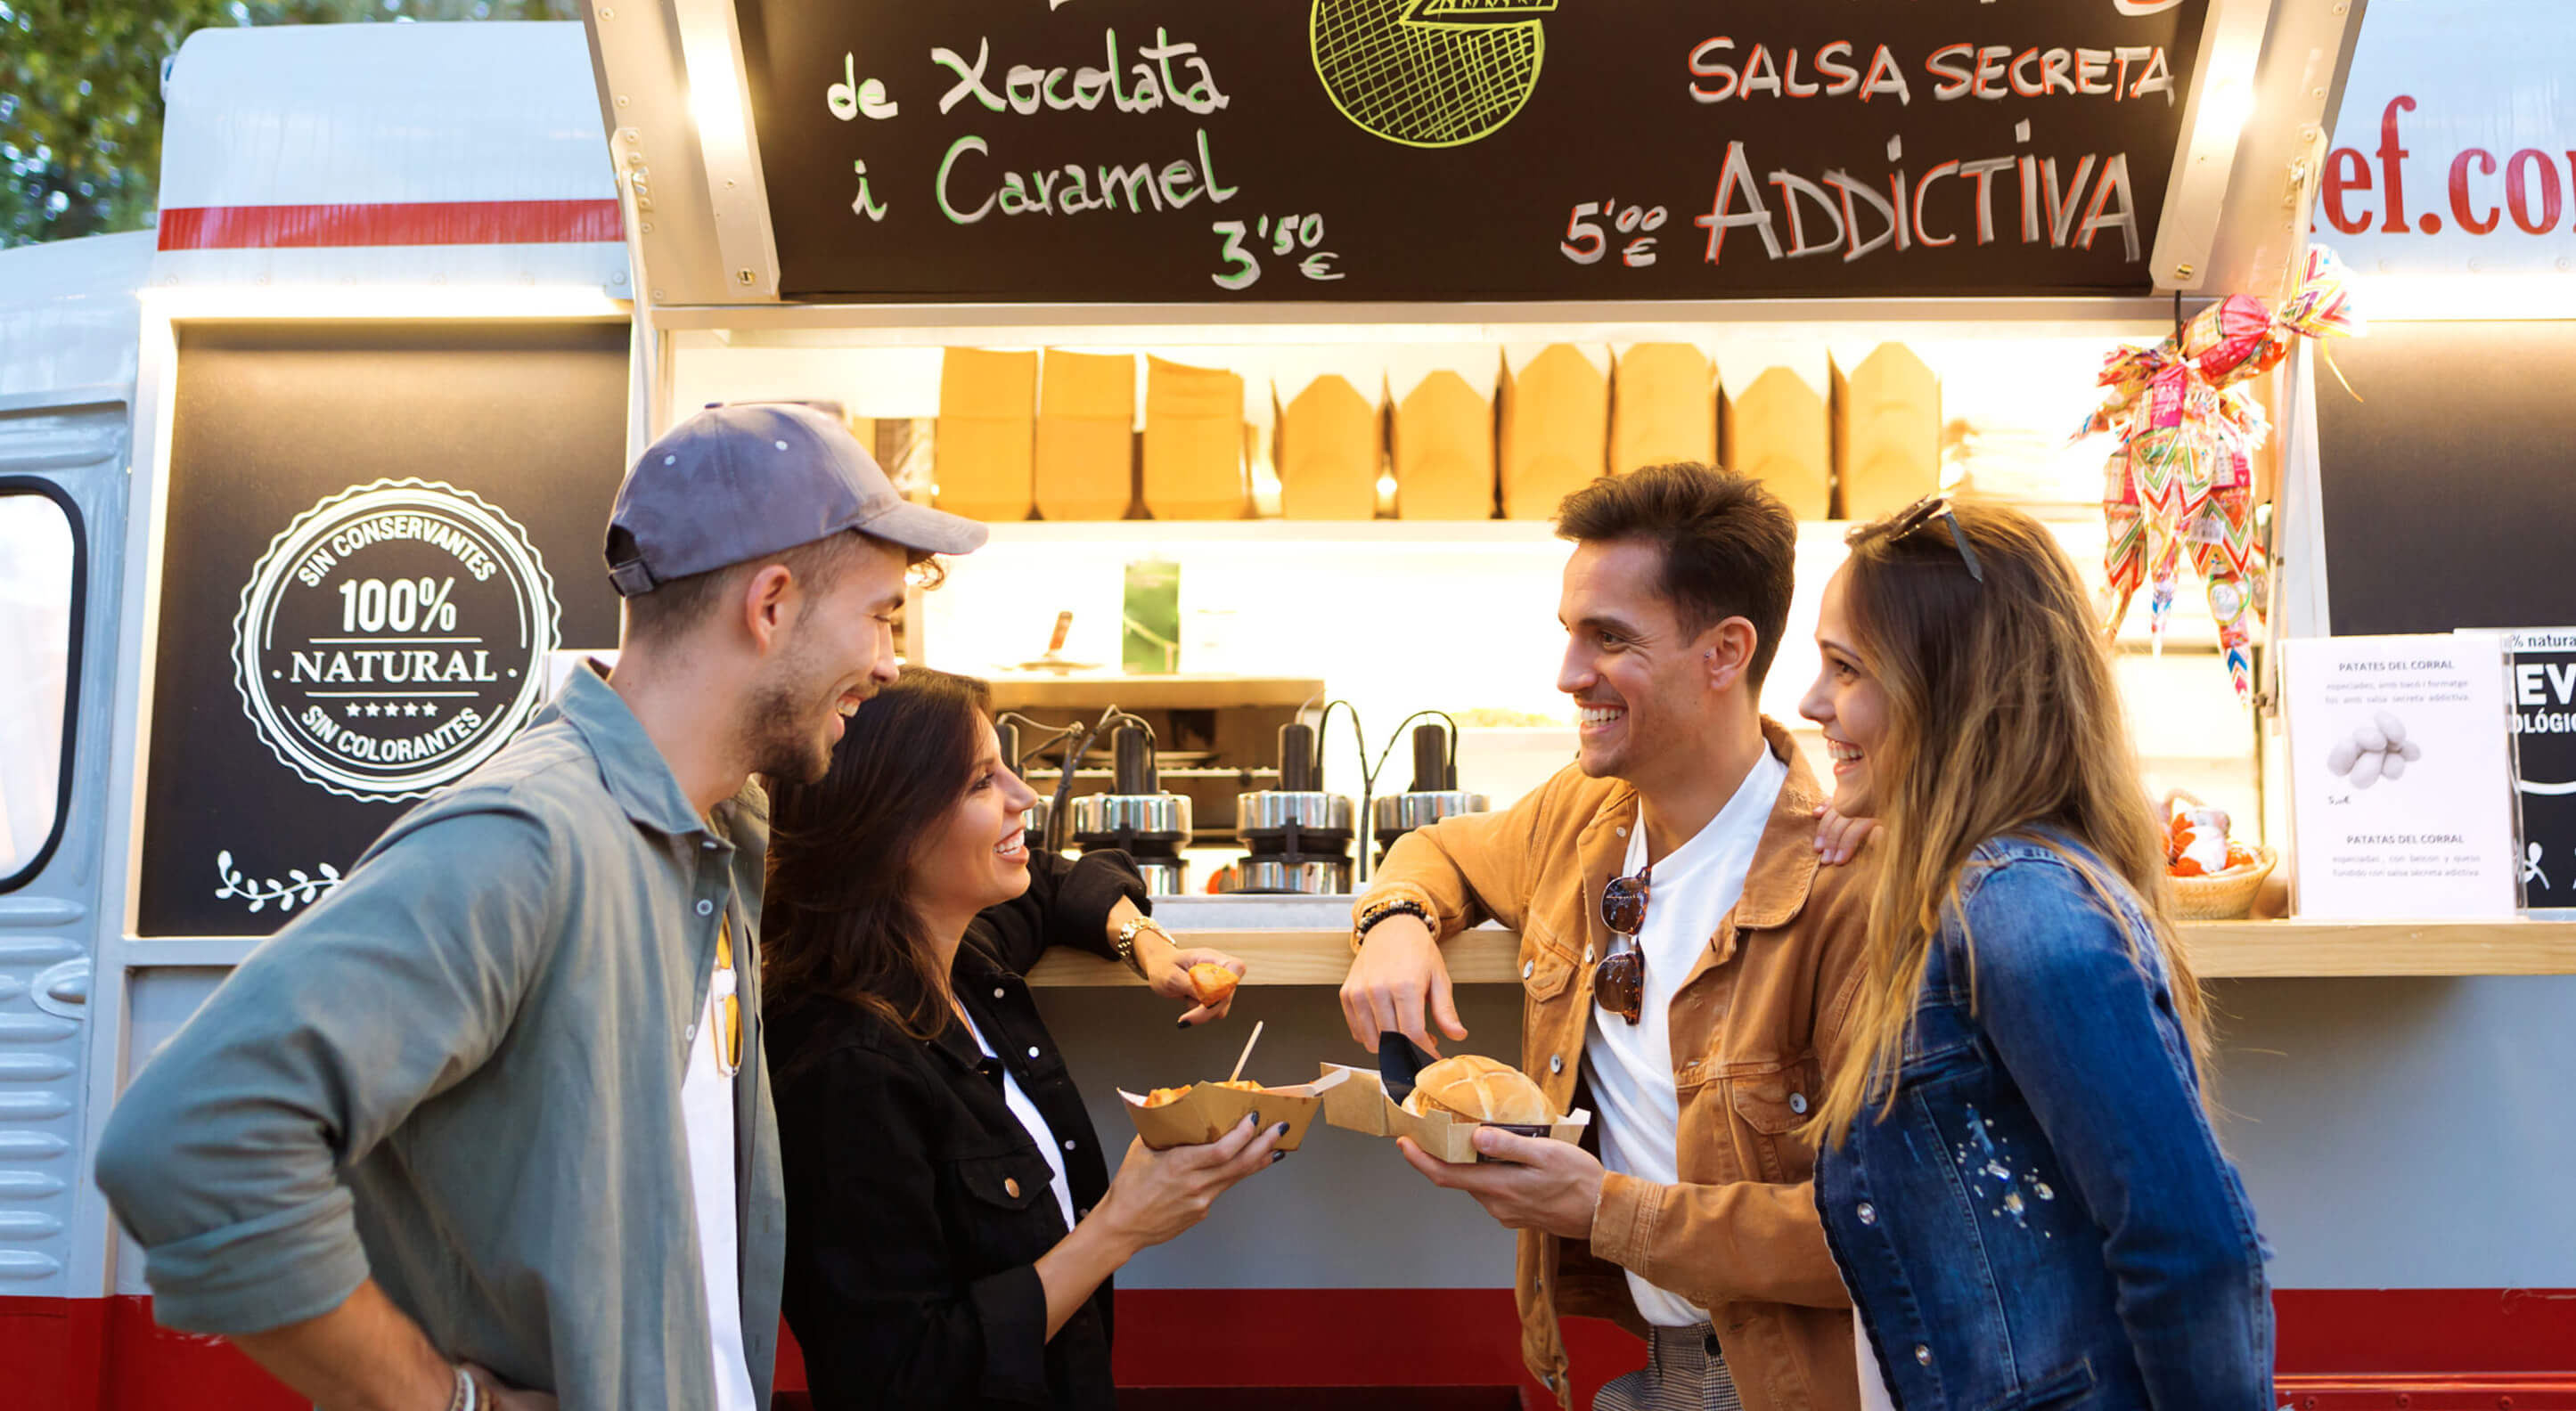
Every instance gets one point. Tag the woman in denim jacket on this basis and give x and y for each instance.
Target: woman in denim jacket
(2018, 1176)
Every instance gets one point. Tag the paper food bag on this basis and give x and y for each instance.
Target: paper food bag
(1206, 1112)
(1086, 436)
(1328, 449)
(987, 433)
(1663, 407)
(1887, 433)
(1444, 450)
(1356, 1100)
(1193, 442)
(1555, 430)
(1778, 433)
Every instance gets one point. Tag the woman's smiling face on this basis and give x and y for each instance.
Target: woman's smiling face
(977, 855)
(1848, 702)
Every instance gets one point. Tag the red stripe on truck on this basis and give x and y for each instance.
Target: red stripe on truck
(391, 223)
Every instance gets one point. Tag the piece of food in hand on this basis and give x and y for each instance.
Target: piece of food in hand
(1479, 1089)
(1211, 982)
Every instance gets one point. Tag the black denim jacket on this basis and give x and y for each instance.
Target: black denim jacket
(917, 1205)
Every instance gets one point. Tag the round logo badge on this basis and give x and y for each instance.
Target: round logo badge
(393, 638)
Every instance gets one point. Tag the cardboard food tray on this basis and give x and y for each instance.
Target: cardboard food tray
(1206, 1112)
(1355, 1099)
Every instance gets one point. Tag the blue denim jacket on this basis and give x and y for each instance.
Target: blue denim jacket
(2045, 1219)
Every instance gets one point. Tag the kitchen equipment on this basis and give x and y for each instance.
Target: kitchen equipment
(1298, 836)
(1137, 816)
(1435, 793)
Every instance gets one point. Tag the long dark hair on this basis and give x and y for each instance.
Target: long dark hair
(838, 921)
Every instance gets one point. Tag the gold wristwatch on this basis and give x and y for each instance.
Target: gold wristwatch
(1124, 941)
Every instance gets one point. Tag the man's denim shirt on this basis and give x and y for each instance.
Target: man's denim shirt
(460, 1073)
(2045, 1218)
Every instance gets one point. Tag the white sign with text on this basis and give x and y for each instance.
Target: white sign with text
(2400, 777)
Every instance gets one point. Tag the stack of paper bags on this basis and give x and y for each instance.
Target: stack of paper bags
(1555, 427)
(1887, 433)
(1443, 434)
(1663, 407)
(987, 433)
(1194, 442)
(1777, 432)
(1086, 436)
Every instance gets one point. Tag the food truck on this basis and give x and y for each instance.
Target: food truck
(1266, 337)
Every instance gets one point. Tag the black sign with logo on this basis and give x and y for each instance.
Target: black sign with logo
(1130, 150)
(2543, 691)
(377, 536)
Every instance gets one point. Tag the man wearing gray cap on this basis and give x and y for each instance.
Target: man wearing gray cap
(497, 1102)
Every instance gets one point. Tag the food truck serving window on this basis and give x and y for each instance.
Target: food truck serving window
(40, 595)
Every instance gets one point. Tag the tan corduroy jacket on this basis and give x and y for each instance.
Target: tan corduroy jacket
(1760, 1014)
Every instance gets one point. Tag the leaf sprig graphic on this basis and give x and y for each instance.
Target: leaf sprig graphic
(298, 886)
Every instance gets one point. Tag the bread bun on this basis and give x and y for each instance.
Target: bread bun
(1211, 982)
(1479, 1089)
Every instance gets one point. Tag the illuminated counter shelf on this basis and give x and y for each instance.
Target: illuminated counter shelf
(1319, 954)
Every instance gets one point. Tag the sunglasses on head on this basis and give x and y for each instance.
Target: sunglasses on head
(1923, 512)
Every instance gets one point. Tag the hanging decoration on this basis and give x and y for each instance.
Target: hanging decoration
(2180, 482)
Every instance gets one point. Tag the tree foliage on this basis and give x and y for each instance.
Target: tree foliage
(80, 95)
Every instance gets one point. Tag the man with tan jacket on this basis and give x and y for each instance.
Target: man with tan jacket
(1683, 842)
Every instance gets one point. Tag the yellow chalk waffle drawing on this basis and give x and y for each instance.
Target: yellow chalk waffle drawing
(1429, 73)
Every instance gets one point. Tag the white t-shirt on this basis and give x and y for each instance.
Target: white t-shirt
(707, 1114)
(1630, 1066)
(1027, 1112)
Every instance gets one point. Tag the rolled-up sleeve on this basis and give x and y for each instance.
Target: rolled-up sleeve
(224, 1157)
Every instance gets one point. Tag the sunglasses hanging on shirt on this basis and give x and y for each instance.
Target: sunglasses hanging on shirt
(1619, 979)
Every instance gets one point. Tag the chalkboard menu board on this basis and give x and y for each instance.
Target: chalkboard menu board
(1130, 151)
(377, 533)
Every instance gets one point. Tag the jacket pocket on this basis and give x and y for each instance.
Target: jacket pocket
(1774, 1104)
(1545, 970)
(1014, 1182)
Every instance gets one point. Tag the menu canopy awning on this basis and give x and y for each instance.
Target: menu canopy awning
(1444, 152)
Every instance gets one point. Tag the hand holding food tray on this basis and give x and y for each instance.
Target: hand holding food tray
(1197, 1113)
(1440, 1103)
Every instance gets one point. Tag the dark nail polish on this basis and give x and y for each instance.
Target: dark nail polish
(1282, 1129)
(1256, 1119)
(1185, 1022)
(1278, 1156)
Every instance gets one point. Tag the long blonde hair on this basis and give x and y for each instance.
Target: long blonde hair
(2003, 717)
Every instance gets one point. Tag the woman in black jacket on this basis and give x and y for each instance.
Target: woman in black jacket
(951, 1224)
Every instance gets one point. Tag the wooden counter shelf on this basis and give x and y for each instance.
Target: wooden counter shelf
(2221, 950)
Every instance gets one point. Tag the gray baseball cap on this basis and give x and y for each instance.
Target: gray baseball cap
(740, 482)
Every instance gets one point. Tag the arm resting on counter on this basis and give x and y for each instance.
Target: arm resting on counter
(1467, 869)
(1073, 902)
